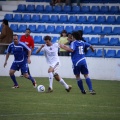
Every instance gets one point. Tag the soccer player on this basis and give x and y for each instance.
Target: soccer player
(79, 62)
(51, 54)
(21, 54)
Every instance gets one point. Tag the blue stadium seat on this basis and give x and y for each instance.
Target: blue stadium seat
(37, 39)
(114, 41)
(86, 39)
(107, 30)
(104, 41)
(26, 18)
(66, 9)
(9, 17)
(39, 8)
(97, 30)
(95, 9)
(116, 31)
(50, 29)
(30, 8)
(91, 19)
(32, 28)
(101, 19)
(35, 18)
(111, 20)
(78, 28)
(63, 19)
(87, 30)
(100, 53)
(17, 18)
(34, 51)
(21, 8)
(69, 29)
(14, 27)
(82, 19)
(45, 18)
(59, 29)
(104, 9)
(54, 19)
(0, 28)
(118, 54)
(40, 29)
(118, 20)
(114, 9)
(75, 9)
(48, 9)
(55, 39)
(90, 53)
(22, 28)
(57, 9)
(94, 41)
(72, 19)
(111, 54)
(85, 9)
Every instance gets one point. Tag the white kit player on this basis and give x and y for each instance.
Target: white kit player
(51, 53)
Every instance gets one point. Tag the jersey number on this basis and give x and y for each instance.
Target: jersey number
(81, 50)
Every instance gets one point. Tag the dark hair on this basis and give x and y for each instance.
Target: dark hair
(28, 29)
(15, 35)
(64, 31)
(5, 21)
(47, 38)
(81, 34)
(76, 35)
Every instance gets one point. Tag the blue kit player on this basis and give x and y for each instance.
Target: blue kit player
(79, 63)
(21, 54)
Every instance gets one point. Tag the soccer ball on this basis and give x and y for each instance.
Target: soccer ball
(41, 88)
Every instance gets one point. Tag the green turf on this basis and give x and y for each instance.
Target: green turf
(25, 103)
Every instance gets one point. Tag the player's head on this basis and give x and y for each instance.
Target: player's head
(15, 39)
(80, 32)
(64, 33)
(47, 40)
(76, 35)
(27, 32)
(5, 22)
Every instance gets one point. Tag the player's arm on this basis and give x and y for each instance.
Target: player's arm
(29, 54)
(39, 49)
(6, 59)
(91, 47)
(65, 48)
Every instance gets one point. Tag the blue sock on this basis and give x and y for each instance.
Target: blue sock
(31, 78)
(80, 84)
(89, 83)
(14, 80)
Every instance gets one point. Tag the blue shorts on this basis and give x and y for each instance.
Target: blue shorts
(22, 65)
(80, 68)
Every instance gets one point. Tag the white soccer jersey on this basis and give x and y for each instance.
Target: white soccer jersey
(51, 54)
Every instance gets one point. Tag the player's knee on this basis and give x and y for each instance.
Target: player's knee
(26, 75)
(11, 73)
(56, 76)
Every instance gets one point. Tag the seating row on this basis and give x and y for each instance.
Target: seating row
(106, 30)
(68, 9)
(63, 19)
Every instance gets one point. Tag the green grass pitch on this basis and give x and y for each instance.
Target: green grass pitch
(25, 103)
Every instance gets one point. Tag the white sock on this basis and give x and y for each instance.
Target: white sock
(64, 83)
(50, 80)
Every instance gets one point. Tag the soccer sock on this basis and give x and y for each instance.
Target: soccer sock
(64, 83)
(89, 83)
(14, 80)
(80, 84)
(50, 80)
(31, 78)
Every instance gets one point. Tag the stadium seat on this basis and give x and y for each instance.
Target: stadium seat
(34, 51)
(0, 28)
(111, 54)
(22, 28)
(39, 8)
(72, 19)
(85, 9)
(9, 17)
(116, 31)
(50, 29)
(97, 30)
(37, 39)
(55, 39)
(45, 18)
(26, 18)
(14, 27)
(35, 18)
(86, 39)
(91, 19)
(118, 20)
(100, 53)
(101, 19)
(48, 9)
(94, 41)
(57, 9)
(111, 20)
(118, 54)
(90, 53)
(75, 9)
(114, 41)
(95, 9)
(40, 29)
(81, 19)
(59, 29)
(17, 18)
(67, 9)
(30, 8)
(32, 28)
(104, 41)
(54, 19)
(21, 8)
(87, 30)
(63, 19)
(69, 29)
(114, 9)
(78, 28)
(104, 9)
(107, 30)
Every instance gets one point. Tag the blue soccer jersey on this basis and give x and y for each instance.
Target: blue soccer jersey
(19, 51)
(78, 55)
